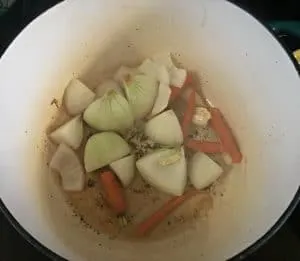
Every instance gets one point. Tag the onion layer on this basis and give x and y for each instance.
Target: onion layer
(203, 171)
(67, 164)
(104, 148)
(70, 133)
(165, 170)
(141, 91)
(77, 97)
(124, 169)
(110, 112)
(165, 129)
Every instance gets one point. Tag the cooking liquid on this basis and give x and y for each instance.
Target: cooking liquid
(142, 199)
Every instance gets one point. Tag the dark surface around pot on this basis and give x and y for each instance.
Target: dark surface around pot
(284, 245)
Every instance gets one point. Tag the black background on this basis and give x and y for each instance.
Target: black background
(284, 246)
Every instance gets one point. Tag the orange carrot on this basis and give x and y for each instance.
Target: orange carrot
(219, 124)
(114, 192)
(204, 146)
(175, 91)
(188, 79)
(156, 218)
(189, 112)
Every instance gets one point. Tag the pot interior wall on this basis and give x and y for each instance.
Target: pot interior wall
(242, 70)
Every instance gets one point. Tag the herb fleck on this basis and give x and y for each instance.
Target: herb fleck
(54, 102)
(91, 183)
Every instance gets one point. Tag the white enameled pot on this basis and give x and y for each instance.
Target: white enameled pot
(244, 71)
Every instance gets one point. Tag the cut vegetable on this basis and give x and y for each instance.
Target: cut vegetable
(175, 92)
(201, 116)
(164, 129)
(77, 97)
(177, 77)
(141, 91)
(114, 193)
(189, 79)
(163, 59)
(219, 124)
(124, 73)
(205, 146)
(188, 114)
(157, 71)
(70, 133)
(148, 225)
(227, 159)
(107, 86)
(124, 169)
(110, 112)
(203, 171)
(104, 148)
(162, 99)
(169, 178)
(67, 164)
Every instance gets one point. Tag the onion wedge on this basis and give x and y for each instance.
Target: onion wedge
(107, 85)
(158, 71)
(70, 133)
(110, 112)
(123, 73)
(67, 164)
(165, 129)
(77, 97)
(203, 171)
(165, 169)
(124, 169)
(162, 99)
(141, 91)
(104, 148)
(177, 75)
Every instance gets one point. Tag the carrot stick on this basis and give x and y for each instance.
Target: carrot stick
(156, 218)
(188, 79)
(114, 193)
(204, 146)
(228, 141)
(175, 92)
(189, 112)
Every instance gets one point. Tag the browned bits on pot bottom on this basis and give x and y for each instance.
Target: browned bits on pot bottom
(95, 214)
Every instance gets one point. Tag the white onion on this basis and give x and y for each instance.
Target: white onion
(104, 148)
(158, 71)
(141, 91)
(70, 133)
(163, 59)
(77, 97)
(124, 169)
(161, 74)
(170, 178)
(164, 129)
(123, 73)
(203, 171)
(162, 99)
(227, 158)
(107, 85)
(110, 112)
(177, 75)
(68, 165)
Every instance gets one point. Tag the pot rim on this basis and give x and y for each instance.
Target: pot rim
(241, 255)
